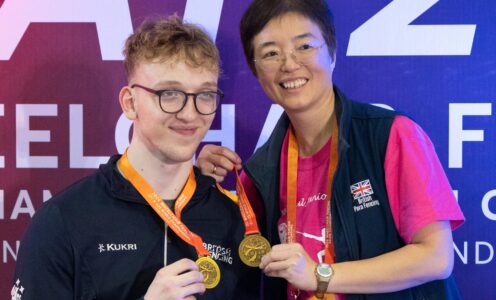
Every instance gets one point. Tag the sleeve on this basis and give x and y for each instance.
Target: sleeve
(417, 187)
(44, 267)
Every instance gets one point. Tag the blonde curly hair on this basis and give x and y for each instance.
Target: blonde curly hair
(171, 39)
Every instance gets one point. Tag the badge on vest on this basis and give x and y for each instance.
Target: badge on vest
(362, 195)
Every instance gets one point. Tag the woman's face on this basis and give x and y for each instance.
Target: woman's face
(302, 78)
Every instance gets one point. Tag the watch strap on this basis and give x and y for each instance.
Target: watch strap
(321, 289)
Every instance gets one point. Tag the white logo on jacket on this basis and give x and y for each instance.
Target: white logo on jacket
(117, 247)
(17, 290)
(362, 195)
(219, 253)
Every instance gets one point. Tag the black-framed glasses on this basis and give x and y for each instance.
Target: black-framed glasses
(173, 101)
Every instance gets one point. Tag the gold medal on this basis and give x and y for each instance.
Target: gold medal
(210, 270)
(252, 248)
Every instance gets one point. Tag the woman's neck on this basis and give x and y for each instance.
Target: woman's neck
(313, 127)
(167, 179)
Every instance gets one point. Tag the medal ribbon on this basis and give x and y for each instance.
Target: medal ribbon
(249, 218)
(161, 208)
(185, 195)
(253, 246)
(231, 196)
(292, 180)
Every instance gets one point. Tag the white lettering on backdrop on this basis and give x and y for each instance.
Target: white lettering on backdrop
(457, 135)
(389, 33)
(24, 136)
(112, 19)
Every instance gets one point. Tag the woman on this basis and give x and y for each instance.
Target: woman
(384, 230)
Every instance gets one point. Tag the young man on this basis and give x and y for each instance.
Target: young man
(107, 236)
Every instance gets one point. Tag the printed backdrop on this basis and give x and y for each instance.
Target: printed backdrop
(61, 70)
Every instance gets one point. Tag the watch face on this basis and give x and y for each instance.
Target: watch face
(324, 270)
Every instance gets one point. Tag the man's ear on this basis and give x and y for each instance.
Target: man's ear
(126, 100)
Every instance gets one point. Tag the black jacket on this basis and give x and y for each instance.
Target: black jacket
(363, 136)
(99, 239)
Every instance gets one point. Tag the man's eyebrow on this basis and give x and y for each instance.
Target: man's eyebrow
(177, 84)
(167, 82)
(210, 84)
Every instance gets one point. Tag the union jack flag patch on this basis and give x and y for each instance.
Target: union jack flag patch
(361, 189)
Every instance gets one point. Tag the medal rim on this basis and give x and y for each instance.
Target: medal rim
(217, 271)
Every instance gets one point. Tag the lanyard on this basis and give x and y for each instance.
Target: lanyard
(161, 208)
(253, 246)
(249, 218)
(292, 171)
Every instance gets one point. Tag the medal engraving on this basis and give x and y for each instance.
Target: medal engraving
(252, 248)
(210, 270)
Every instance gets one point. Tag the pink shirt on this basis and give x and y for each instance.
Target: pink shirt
(418, 190)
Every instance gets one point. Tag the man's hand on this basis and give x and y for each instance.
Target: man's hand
(216, 161)
(180, 280)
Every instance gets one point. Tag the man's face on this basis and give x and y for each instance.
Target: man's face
(170, 137)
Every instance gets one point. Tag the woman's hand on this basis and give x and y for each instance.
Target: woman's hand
(291, 262)
(216, 161)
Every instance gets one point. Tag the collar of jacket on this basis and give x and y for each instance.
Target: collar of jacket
(123, 190)
(266, 160)
(275, 141)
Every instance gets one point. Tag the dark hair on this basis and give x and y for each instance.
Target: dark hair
(170, 38)
(260, 12)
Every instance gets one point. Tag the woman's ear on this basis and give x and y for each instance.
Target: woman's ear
(333, 60)
(126, 100)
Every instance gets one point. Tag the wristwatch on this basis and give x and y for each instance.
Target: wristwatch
(323, 272)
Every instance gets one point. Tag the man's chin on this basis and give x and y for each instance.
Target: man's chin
(181, 156)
